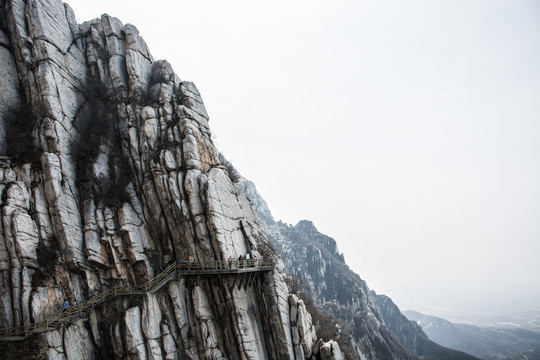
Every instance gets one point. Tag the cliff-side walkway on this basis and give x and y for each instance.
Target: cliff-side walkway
(238, 268)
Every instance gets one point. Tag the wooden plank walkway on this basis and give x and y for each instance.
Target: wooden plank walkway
(173, 271)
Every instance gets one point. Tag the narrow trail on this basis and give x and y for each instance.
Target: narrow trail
(173, 271)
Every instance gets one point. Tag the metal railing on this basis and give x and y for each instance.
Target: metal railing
(77, 311)
(226, 265)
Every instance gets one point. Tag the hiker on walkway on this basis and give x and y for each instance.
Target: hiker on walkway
(66, 304)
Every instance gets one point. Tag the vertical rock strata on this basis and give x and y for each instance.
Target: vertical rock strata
(108, 173)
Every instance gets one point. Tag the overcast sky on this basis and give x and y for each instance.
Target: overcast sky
(406, 130)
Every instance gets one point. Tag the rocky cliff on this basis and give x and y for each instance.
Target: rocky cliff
(107, 174)
(369, 325)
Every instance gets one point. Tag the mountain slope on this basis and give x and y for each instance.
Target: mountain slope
(485, 343)
(412, 336)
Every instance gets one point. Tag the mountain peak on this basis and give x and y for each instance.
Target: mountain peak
(306, 226)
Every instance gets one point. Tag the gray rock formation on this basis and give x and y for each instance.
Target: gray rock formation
(107, 173)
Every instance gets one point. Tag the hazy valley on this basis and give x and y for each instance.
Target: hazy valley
(490, 343)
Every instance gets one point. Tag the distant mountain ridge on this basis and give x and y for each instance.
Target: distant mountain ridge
(376, 327)
(485, 343)
(411, 335)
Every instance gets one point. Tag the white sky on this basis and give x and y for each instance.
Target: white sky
(406, 130)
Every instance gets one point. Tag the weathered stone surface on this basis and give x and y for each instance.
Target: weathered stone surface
(330, 351)
(151, 318)
(10, 99)
(135, 344)
(55, 351)
(77, 342)
(169, 344)
(109, 174)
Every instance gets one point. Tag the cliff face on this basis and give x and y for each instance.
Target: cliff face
(107, 174)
